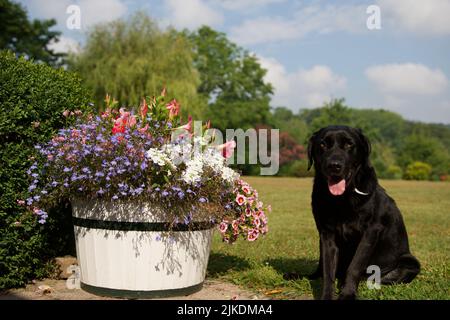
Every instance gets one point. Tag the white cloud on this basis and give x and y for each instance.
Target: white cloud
(407, 78)
(310, 19)
(192, 14)
(92, 11)
(430, 17)
(413, 90)
(65, 45)
(302, 88)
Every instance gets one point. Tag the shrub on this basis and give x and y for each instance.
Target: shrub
(393, 172)
(32, 100)
(418, 171)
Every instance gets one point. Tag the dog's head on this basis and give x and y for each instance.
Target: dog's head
(339, 154)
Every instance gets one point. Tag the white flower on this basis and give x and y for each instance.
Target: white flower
(194, 170)
(159, 157)
(229, 174)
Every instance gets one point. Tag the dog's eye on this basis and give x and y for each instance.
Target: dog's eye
(323, 145)
(348, 145)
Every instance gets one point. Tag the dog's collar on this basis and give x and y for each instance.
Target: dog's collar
(360, 192)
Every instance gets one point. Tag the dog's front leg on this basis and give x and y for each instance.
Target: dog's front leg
(330, 253)
(359, 262)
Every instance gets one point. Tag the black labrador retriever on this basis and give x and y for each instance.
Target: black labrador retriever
(358, 223)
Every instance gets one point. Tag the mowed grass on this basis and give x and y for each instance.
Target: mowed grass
(291, 246)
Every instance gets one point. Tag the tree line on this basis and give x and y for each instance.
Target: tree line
(215, 79)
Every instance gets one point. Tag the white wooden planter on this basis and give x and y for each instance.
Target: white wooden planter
(124, 250)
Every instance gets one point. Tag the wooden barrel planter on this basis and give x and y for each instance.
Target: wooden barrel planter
(125, 249)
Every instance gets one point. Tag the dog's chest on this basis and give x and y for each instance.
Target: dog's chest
(348, 231)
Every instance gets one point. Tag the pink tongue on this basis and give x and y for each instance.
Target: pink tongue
(337, 188)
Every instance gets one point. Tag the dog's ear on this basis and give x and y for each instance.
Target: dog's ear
(365, 144)
(310, 149)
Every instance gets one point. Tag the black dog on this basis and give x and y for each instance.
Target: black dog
(358, 223)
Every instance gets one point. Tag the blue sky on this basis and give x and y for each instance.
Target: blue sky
(313, 50)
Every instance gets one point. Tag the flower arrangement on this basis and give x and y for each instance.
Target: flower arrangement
(148, 155)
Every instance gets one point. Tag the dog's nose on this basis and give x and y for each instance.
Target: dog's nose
(335, 166)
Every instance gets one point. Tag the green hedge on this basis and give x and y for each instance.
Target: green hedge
(32, 99)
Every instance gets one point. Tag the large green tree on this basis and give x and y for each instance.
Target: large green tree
(133, 58)
(25, 37)
(232, 81)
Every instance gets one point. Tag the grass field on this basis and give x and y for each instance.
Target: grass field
(291, 246)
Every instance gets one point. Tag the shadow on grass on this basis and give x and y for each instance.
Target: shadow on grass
(295, 269)
(220, 263)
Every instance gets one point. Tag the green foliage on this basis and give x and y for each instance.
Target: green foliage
(420, 147)
(129, 59)
(298, 168)
(285, 120)
(396, 143)
(418, 171)
(232, 81)
(393, 172)
(25, 37)
(32, 99)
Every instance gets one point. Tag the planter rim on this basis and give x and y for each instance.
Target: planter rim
(141, 226)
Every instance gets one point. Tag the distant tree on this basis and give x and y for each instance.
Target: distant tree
(418, 147)
(232, 81)
(130, 59)
(285, 120)
(28, 38)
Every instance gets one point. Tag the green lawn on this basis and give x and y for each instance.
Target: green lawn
(291, 246)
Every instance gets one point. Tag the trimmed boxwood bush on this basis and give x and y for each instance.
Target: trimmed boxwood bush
(32, 100)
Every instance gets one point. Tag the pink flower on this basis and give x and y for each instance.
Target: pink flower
(187, 126)
(50, 157)
(132, 121)
(66, 113)
(248, 212)
(240, 199)
(256, 222)
(144, 129)
(227, 148)
(235, 225)
(124, 114)
(223, 227)
(20, 202)
(173, 107)
(252, 234)
(246, 189)
(144, 109)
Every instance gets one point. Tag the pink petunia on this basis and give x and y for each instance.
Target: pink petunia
(248, 212)
(240, 199)
(246, 190)
(223, 227)
(252, 234)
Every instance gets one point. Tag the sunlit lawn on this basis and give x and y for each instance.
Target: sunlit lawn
(291, 247)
